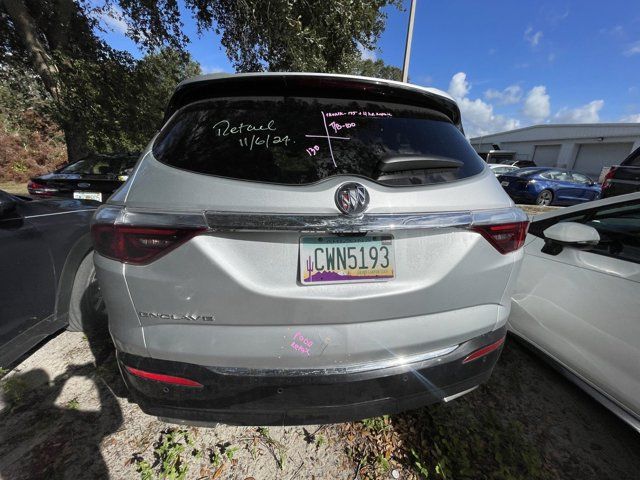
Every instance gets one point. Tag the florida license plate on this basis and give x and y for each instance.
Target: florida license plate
(325, 260)
(97, 196)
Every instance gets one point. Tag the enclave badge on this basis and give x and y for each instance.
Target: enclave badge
(352, 198)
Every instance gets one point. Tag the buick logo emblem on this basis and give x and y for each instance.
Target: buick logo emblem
(352, 198)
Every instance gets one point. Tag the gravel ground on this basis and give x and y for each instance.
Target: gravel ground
(61, 417)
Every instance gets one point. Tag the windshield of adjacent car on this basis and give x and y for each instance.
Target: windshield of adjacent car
(294, 140)
(525, 172)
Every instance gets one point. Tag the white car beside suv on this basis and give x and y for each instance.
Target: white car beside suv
(577, 298)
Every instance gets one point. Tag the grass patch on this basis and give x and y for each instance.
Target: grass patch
(461, 440)
(14, 390)
(168, 456)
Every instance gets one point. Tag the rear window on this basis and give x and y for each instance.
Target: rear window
(633, 160)
(292, 140)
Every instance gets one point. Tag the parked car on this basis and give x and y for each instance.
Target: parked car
(623, 178)
(498, 156)
(95, 177)
(306, 254)
(577, 298)
(46, 267)
(518, 163)
(549, 186)
(499, 169)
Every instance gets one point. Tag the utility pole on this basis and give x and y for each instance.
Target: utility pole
(407, 47)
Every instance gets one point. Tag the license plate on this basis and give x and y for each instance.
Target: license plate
(325, 260)
(504, 184)
(97, 196)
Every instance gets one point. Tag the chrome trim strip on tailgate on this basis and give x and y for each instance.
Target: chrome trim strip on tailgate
(264, 222)
(217, 221)
(400, 361)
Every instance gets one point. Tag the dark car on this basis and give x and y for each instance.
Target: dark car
(623, 178)
(95, 177)
(46, 271)
(549, 186)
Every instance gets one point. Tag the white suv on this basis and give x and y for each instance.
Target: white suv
(304, 248)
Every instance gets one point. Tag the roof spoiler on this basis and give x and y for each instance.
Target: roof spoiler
(322, 86)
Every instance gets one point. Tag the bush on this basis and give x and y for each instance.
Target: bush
(30, 145)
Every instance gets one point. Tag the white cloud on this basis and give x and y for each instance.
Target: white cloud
(632, 49)
(113, 18)
(537, 104)
(631, 118)
(478, 117)
(588, 113)
(533, 37)
(510, 95)
(458, 86)
(367, 54)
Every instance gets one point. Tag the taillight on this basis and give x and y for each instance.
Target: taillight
(36, 188)
(606, 182)
(483, 351)
(138, 245)
(161, 377)
(505, 237)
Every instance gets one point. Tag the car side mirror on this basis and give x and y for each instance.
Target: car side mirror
(569, 234)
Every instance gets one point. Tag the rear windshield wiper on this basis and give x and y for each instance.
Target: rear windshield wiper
(398, 163)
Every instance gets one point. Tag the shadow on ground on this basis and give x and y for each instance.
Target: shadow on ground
(44, 439)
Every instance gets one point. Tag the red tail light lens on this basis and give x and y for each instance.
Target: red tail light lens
(483, 351)
(160, 377)
(138, 245)
(606, 182)
(505, 237)
(36, 188)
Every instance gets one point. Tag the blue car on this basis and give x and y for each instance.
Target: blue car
(549, 186)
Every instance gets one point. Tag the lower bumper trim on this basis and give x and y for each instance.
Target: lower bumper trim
(308, 399)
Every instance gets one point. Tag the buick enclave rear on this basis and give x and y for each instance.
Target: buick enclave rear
(304, 248)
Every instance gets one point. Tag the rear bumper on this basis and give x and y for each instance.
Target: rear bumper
(294, 397)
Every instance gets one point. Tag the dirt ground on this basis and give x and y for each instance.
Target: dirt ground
(63, 417)
(14, 187)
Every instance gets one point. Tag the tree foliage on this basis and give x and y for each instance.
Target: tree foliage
(104, 99)
(377, 69)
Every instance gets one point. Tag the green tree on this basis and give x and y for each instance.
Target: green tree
(377, 69)
(89, 83)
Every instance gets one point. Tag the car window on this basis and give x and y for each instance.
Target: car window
(579, 178)
(618, 226)
(524, 172)
(93, 166)
(550, 175)
(295, 140)
(633, 160)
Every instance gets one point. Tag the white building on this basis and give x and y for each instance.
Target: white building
(585, 148)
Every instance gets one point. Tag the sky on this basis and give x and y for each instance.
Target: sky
(508, 64)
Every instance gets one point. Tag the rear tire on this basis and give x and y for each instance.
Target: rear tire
(87, 312)
(544, 199)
